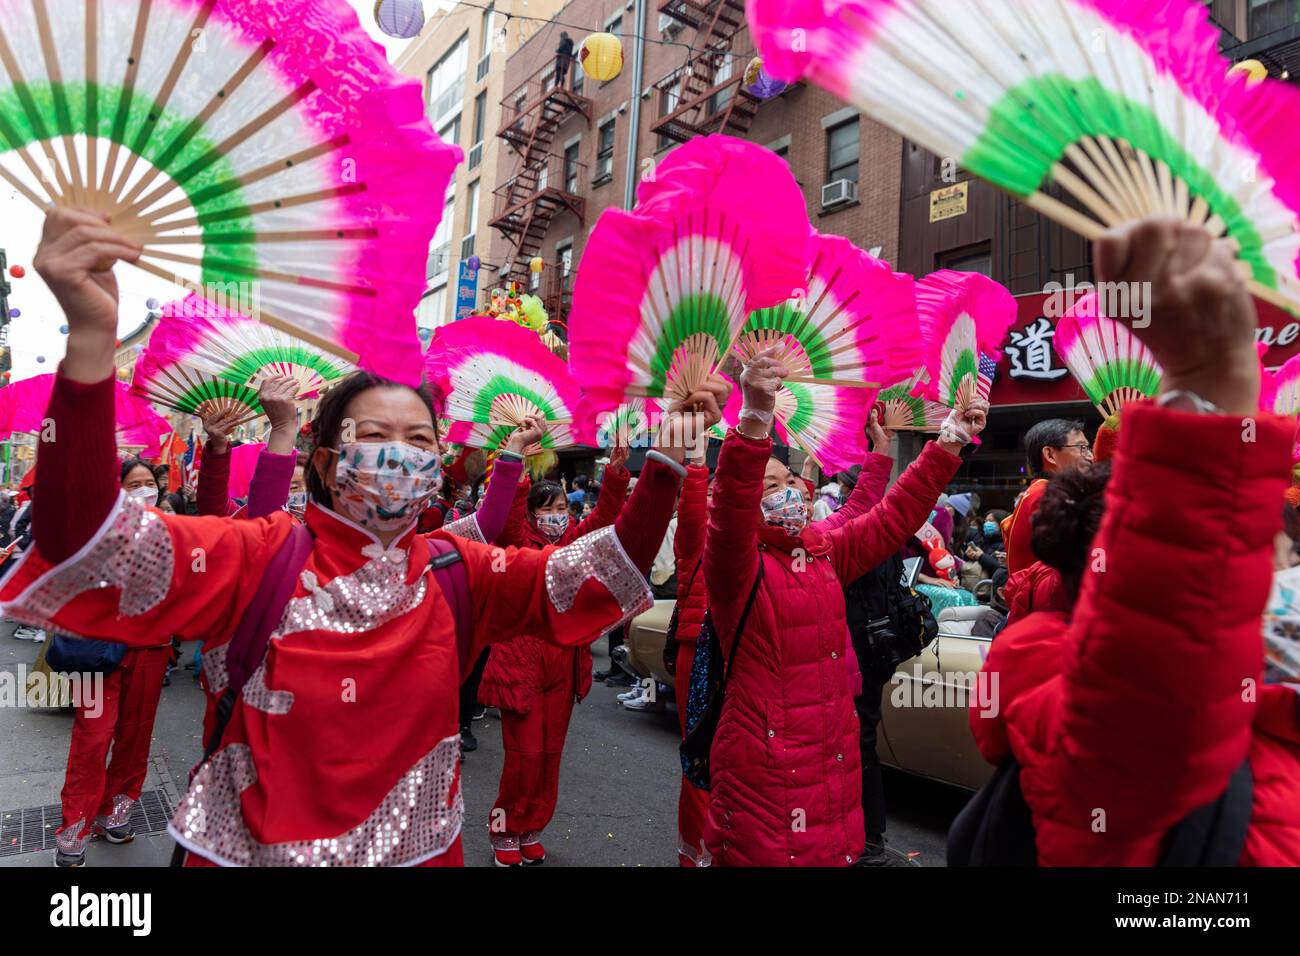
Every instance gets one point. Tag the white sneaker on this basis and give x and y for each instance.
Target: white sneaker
(646, 702)
(25, 633)
(632, 694)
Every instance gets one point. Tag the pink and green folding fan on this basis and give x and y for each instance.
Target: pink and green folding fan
(493, 374)
(261, 151)
(841, 327)
(239, 349)
(1286, 388)
(1125, 106)
(626, 426)
(663, 291)
(903, 407)
(964, 316)
(1111, 364)
(23, 405)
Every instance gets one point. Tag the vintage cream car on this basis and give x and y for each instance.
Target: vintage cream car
(925, 726)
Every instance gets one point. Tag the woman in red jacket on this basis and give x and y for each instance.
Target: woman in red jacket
(786, 784)
(1137, 707)
(534, 684)
(342, 748)
(692, 601)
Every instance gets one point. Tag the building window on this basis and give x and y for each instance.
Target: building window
(719, 100)
(571, 168)
(842, 152)
(480, 116)
(614, 25)
(605, 151)
(968, 259)
(440, 245)
(447, 82)
(450, 133)
(489, 30)
(1269, 16)
(669, 99)
(566, 262)
(471, 222)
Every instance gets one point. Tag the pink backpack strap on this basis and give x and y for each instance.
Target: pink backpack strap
(449, 571)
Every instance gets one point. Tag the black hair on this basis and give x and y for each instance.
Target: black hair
(580, 482)
(177, 501)
(1066, 520)
(999, 581)
(542, 494)
(327, 426)
(131, 464)
(1052, 433)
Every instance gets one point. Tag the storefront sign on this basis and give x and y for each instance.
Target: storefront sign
(1031, 373)
(949, 202)
(466, 290)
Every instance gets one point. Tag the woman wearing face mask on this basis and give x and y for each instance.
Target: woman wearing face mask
(99, 799)
(1156, 690)
(535, 684)
(342, 747)
(788, 737)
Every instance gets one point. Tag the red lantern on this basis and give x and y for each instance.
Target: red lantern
(17, 271)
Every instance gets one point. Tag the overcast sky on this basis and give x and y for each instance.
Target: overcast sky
(35, 334)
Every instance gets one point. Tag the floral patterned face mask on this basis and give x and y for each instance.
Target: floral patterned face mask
(553, 525)
(786, 509)
(384, 486)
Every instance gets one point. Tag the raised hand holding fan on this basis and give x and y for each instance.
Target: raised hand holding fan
(264, 145)
(1110, 363)
(1125, 105)
(494, 375)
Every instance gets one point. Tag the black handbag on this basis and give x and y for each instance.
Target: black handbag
(698, 741)
(81, 655)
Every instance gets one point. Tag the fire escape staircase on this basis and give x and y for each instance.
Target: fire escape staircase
(710, 100)
(543, 184)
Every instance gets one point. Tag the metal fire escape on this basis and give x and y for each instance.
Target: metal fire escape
(545, 182)
(705, 94)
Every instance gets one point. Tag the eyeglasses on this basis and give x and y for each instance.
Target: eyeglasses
(1082, 447)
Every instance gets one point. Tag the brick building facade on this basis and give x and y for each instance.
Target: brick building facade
(589, 146)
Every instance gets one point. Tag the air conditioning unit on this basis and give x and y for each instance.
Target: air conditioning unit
(482, 69)
(475, 155)
(467, 246)
(669, 25)
(838, 193)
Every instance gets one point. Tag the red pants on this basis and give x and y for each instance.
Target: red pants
(692, 802)
(534, 743)
(125, 721)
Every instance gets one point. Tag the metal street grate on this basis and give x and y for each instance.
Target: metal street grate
(32, 829)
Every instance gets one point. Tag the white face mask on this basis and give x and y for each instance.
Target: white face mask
(145, 493)
(1282, 628)
(785, 509)
(553, 525)
(384, 486)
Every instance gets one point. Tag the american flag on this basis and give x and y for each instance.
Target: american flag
(988, 371)
(190, 461)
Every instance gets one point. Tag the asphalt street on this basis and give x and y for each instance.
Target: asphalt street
(618, 782)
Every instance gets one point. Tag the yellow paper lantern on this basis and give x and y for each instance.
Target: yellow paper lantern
(536, 264)
(601, 56)
(1255, 71)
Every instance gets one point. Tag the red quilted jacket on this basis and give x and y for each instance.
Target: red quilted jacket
(786, 777)
(1137, 709)
(692, 519)
(513, 675)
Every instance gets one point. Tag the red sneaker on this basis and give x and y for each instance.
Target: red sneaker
(534, 853)
(505, 850)
(506, 857)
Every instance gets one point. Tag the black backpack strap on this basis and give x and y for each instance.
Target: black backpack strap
(740, 628)
(1215, 834)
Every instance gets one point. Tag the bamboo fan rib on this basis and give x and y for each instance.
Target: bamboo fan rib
(215, 135)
